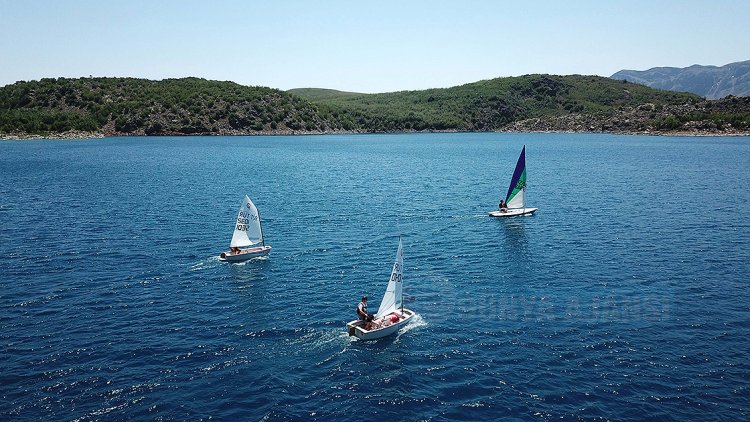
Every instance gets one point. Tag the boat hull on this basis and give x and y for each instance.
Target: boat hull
(356, 328)
(513, 212)
(245, 254)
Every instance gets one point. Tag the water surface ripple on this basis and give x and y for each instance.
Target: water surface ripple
(624, 298)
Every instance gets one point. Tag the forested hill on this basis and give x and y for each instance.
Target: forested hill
(192, 106)
(127, 106)
(492, 104)
(572, 103)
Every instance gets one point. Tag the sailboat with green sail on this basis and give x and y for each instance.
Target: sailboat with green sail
(515, 200)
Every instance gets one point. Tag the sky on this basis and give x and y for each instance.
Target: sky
(363, 46)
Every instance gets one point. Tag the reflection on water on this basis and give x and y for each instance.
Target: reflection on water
(514, 232)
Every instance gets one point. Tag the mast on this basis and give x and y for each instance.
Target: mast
(260, 224)
(402, 278)
(524, 179)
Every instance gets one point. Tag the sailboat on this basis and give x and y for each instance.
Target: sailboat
(247, 234)
(515, 199)
(391, 314)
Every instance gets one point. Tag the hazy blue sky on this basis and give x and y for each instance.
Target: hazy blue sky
(364, 46)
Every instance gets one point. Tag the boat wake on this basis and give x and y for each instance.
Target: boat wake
(206, 263)
(245, 262)
(314, 338)
(215, 262)
(416, 322)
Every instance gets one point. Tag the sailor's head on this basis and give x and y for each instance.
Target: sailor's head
(364, 298)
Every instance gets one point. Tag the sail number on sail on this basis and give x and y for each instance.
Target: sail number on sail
(243, 219)
(396, 275)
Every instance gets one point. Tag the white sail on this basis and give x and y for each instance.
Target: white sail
(519, 200)
(247, 231)
(392, 297)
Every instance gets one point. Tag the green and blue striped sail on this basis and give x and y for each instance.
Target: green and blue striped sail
(515, 198)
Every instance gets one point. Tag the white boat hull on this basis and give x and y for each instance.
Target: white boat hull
(245, 254)
(357, 329)
(513, 212)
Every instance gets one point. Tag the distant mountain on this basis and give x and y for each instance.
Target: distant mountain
(711, 82)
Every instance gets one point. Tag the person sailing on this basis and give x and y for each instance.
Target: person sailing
(362, 311)
(503, 206)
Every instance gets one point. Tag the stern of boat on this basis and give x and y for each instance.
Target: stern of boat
(352, 326)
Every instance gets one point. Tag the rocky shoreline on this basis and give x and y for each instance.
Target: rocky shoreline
(518, 127)
(58, 135)
(646, 119)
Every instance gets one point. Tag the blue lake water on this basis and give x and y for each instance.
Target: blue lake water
(625, 297)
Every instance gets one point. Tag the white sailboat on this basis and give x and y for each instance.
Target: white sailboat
(515, 199)
(248, 234)
(391, 314)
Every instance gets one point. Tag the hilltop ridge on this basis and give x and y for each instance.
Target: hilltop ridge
(711, 82)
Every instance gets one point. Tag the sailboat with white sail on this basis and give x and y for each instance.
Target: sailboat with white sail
(391, 314)
(515, 200)
(247, 240)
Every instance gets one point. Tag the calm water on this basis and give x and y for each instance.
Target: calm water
(625, 297)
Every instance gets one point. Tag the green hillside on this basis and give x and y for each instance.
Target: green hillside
(143, 107)
(192, 106)
(491, 104)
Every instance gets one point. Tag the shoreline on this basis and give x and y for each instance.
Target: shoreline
(100, 135)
